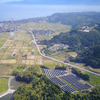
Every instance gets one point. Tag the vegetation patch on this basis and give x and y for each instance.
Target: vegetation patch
(49, 63)
(93, 79)
(80, 74)
(73, 54)
(31, 75)
(3, 84)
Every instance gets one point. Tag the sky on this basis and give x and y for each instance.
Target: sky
(22, 9)
(5, 1)
(64, 2)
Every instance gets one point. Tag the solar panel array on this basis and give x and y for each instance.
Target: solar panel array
(67, 88)
(57, 81)
(73, 80)
(87, 86)
(54, 72)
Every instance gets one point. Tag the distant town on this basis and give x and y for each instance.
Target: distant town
(42, 32)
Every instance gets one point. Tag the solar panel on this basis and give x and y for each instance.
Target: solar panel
(67, 88)
(78, 86)
(73, 80)
(57, 81)
(54, 72)
(87, 86)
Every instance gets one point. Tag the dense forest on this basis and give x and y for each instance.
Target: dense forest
(77, 40)
(80, 74)
(32, 74)
(90, 56)
(44, 89)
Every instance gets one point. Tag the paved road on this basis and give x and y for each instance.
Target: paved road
(61, 61)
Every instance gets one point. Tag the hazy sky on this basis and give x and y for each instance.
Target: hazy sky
(4, 1)
(21, 9)
(66, 2)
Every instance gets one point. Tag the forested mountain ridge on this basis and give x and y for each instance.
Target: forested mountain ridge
(74, 18)
(90, 56)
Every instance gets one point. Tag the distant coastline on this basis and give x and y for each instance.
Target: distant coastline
(18, 12)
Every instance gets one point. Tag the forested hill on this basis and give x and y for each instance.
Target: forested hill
(77, 40)
(74, 18)
(90, 56)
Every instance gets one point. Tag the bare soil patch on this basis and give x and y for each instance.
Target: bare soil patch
(31, 57)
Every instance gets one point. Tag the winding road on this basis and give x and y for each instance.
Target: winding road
(61, 61)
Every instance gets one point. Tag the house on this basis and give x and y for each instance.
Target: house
(28, 32)
(13, 55)
(24, 56)
(86, 29)
(32, 42)
(67, 61)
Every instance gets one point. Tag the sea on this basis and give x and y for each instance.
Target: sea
(20, 11)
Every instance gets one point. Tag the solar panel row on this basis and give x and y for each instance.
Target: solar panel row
(67, 88)
(73, 80)
(64, 88)
(57, 81)
(87, 86)
(74, 76)
(54, 72)
(69, 79)
(78, 86)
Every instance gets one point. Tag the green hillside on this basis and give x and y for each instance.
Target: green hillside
(90, 56)
(77, 40)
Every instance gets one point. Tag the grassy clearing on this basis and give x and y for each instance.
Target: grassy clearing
(36, 53)
(59, 56)
(98, 70)
(6, 68)
(94, 79)
(3, 84)
(73, 54)
(78, 64)
(50, 65)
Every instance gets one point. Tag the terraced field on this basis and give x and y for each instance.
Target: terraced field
(19, 44)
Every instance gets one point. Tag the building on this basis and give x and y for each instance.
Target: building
(67, 61)
(32, 42)
(24, 56)
(13, 55)
(86, 29)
